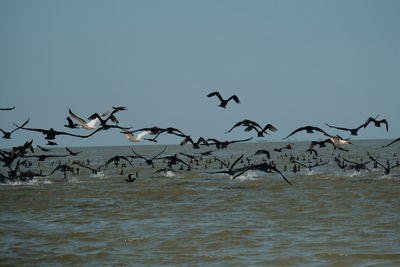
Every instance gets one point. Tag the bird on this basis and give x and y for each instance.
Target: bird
(43, 149)
(138, 137)
(230, 167)
(148, 161)
(51, 133)
(387, 168)
(82, 123)
(224, 144)
(338, 141)
(73, 153)
(6, 109)
(130, 179)
(263, 151)
(7, 135)
(309, 129)
(251, 125)
(194, 144)
(71, 124)
(224, 102)
(310, 167)
(376, 122)
(265, 167)
(353, 131)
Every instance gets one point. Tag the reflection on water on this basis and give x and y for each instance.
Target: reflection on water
(329, 216)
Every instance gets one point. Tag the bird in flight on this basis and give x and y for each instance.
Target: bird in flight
(224, 102)
(309, 129)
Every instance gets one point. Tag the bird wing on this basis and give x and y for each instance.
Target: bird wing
(270, 127)
(295, 131)
(243, 140)
(236, 161)
(142, 134)
(159, 153)
(216, 94)
(234, 97)
(80, 120)
(223, 163)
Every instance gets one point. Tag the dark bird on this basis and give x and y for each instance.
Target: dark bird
(51, 133)
(391, 143)
(310, 167)
(224, 102)
(263, 152)
(222, 145)
(173, 160)
(72, 153)
(116, 160)
(7, 108)
(130, 179)
(357, 166)
(148, 161)
(51, 143)
(93, 170)
(71, 124)
(64, 168)
(353, 131)
(376, 122)
(309, 129)
(230, 167)
(251, 125)
(196, 145)
(43, 149)
(387, 168)
(265, 167)
(7, 135)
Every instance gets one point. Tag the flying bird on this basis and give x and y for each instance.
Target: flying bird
(224, 144)
(224, 102)
(148, 161)
(353, 131)
(376, 122)
(82, 123)
(7, 108)
(137, 138)
(309, 129)
(7, 135)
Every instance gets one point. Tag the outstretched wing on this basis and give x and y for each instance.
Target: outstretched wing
(217, 94)
(234, 97)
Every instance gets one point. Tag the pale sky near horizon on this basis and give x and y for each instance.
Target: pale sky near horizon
(292, 63)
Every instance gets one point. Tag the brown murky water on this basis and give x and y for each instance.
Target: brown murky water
(329, 217)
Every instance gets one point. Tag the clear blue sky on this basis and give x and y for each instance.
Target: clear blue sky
(292, 63)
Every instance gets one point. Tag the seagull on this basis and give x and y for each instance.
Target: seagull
(224, 102)
(338, 141)
(309, 129)
(7, 135)
(138, 137)
(82, 123)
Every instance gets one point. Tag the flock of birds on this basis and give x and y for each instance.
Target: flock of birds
(18, 160)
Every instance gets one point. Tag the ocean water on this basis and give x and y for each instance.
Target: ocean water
(329, 217)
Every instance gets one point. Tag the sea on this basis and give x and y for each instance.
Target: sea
(200, 216)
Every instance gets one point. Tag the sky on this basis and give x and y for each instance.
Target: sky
(291, 63)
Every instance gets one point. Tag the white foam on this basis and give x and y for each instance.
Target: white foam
(247, 176)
